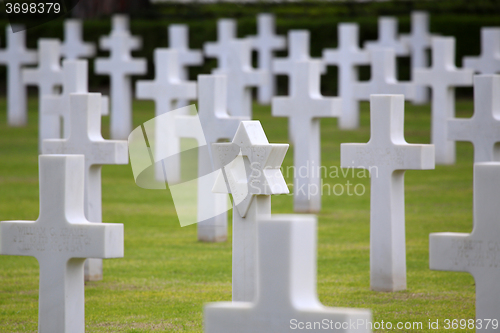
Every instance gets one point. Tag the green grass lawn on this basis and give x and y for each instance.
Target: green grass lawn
(167, 276)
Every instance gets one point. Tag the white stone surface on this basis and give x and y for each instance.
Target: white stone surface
(178, 39)
(60, 239)
(348, 56)
(304, 108)
(419, 41)
(226, 32)
(387, 156)
(75, 79)
(383, 78)
(14, 56)
(241, 77)
(47, 76)
(251, 172)
(165, 90)
(85, 139)
(298, 50)
(483, 129)
(286, 286)
(120, 66)
(73, 46)
(488, 62)
(266, 42)
(388, 37)
(476, 253)
(217, 126)
(443, 77)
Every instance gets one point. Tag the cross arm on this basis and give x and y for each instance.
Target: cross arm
(146, 89)
(414, 157)
(30, 76)
(211, 49)
(17, 237)
(191, 57)
(449, 251)
(353, 155)
(108, 152)
(280, 106)
(102, 65)
(282, 66)
(105, 240)
(325, 107)
(135, 66)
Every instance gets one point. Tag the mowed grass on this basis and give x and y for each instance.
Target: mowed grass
(167, 276)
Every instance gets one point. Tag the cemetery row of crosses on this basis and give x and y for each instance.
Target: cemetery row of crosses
(69, 229)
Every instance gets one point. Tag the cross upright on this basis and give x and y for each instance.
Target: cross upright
(60, 239)
(383, 78)
(265, 43)
(483, 129)
(488, 62)
(85, 139)
(304, 108)
(443, 77)
(419, 41)
(178, 39)
(251, 173)
(165, 90)
(476, 253)
(387, 156)
(286, 287)
(217, 125)
(47, 76)
(348, 56)
(73, 46)
(388, 37)
(120, 66)
(226, 32)
(242, 77)
(75, 78)
(14, 56)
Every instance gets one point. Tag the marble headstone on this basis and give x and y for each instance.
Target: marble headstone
(488, 62)
(120, 66)
(178, 39)
(388, 37)
(226, 32)
(443, 77)
(251, 173)
(483, 129)
(14, 56)
(347, 56)
(476, 253)
(85, 139)
(304, 108)
(387, 156)
(286, 286)
(266, 42)
(60, 239)
(73, 46)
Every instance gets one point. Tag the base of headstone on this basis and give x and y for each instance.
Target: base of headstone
(213, 230)
(93, 270)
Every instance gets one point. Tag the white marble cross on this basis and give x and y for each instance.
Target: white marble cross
(165, 90)
(226, 32)
(73, 46)
(178, 39)
(388, 37)
(251, 169)
(298, 50)
(347, 57)
(217, 125)
(265, 43)
(419, 41)
(489, 60)
(60, 239)
(304, 108)
(483, 129)
(241, 77)
(387, 156)
(443, 77)
(476, 253)
(48, 76)
(14, 56)
(120, 66)
(383, 78)
(85, 139)
(286, 287)
(75, 79)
